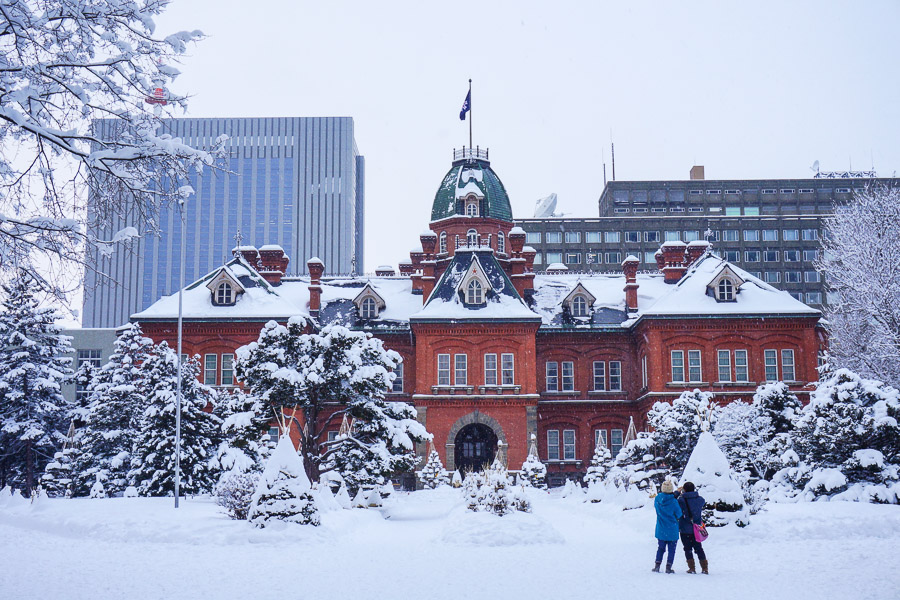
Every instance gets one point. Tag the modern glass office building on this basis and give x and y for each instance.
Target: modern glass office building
(297, 182)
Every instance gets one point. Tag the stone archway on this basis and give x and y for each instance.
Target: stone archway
(472, 418)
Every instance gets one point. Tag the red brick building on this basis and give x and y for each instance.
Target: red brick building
(494, 352)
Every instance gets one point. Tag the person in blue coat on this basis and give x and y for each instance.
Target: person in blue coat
(668, 512)
(691, 504)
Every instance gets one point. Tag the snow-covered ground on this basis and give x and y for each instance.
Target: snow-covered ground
(426, 545)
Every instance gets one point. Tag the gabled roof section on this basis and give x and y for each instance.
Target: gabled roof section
(241, 271)
(726, 272)
(503, 302)
(580, 289)
(369, 292)
(224, 274)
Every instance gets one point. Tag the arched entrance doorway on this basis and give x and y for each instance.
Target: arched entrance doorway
(475, 447)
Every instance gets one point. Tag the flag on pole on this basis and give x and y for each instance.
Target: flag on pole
(467, 104)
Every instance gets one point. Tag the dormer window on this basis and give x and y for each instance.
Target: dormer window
(225, 294)
(471, 238)
(474, 292)
(442, 248)
(472, 208)
(725, 291)
(501, 243)
(369, 309)
(579, 307)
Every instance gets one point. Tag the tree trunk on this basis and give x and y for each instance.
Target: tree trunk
(29, 467)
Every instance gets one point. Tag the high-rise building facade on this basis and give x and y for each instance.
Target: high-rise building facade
(295, 182)
(772, 228)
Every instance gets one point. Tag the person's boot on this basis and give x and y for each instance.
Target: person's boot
(669, 568)
(704, 565)
(656, 568)
(692, 568)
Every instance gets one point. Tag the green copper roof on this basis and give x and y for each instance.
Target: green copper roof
(471, 175)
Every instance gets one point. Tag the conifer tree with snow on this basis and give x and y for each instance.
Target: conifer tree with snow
(33, 365)
(847, 441)
(433, 474)
(534, 472)
(153, 457)
(283, 492)
(57, 478)
(640, 464)
(709, 471)
(245, 419)
(118, 394)
(861, 253)
(316, 372)
(676, 426)
(601, 463)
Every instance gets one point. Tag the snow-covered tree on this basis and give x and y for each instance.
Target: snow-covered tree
(33, 365)
(245, 420)
(153, 457)
(326, 374)
(534, 472)
(640, 464)
(676, 426)
(861, 253)
(433, 473)
(847, 441)
(284, 492)
(709, 471)
(118, 394)
(234, 493)
(601, 463)
(57, 478)
(64, 65)
(492, 491)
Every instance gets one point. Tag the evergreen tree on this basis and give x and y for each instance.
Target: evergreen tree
(245, 420)
(118, 393)
(316, 371)
(640, 464)
(153, 457)
(57, 478)
(848, 434)
(433, 473)
(676, 426)
(709, 471)
(33, 365)
(782, 408)
(283, 492)
(601, 463)
(534, 472)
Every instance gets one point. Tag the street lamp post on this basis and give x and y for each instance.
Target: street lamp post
(178, 392)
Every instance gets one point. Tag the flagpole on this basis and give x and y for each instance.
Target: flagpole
(470, 114)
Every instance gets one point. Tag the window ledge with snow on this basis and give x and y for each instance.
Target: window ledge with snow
(561, 393)
(452, 389)
(499, 389)
(684, 384)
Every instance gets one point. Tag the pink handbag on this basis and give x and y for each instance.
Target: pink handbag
(700, 533)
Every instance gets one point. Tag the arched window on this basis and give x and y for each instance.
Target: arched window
(579, 307)
(726, 290)
(501, 243)
(472, 209)
(471, 238)
(369, 308)
(474, 292)
(443, 243)
(224, 293)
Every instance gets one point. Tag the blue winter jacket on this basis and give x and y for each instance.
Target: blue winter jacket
(693, 503)
(667, 513)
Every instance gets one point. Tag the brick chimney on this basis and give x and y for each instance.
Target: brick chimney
(316, 267)
(630, 267)
(695, 250)
(674, 261)
(516, 239)
(384, 271)
(273, 263)
(406, 268)
(697, 172)
(249, 253)
(429, 241)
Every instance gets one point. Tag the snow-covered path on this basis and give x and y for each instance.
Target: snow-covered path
(430, 547)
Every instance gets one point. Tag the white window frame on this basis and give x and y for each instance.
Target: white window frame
(677, 362)
(227, 374)
(501, 242)
(507, 369)
(567, 380)
(645, 376)
(210, 368)
(568, 444)
(579, 306)
(724, 365)
(615, 376)
(368, 308)
(460, 369)
(443, 369)
(616, 447)
(551, 371)
(599, 376)
(741, 371)
(490, 369)
(788, 366)
(397, 384)
(770, 361)
(474, 292)
(224, 294)
(471, 238)
(694, 356)
(442, 244)
(725, 290)
(553, 444)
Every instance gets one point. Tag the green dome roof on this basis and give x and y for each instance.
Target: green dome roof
(464, 177)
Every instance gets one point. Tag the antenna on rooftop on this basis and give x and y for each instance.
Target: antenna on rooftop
(613, 147)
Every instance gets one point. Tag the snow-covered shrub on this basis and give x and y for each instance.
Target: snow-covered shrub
(343, 497)
(130, 492)
(710, 472)
(572, 489)
(676, 426)
(234, 493)
(283, 492)
(97, 490)
(457, 480)
(640, 464)
(533, 472)
(601, 463)
(491, 491)
(846, 443)
(57, 478)
(433, 473)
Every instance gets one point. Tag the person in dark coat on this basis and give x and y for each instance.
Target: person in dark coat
(691, 504)
(667, 514)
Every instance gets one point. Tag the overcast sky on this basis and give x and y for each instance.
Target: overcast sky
(750, 90)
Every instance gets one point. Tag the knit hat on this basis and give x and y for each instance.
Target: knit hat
(668, 487)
